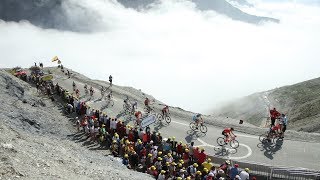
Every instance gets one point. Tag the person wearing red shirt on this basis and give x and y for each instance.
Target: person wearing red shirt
(179, 149)
(228, 132)
(165, 111)
(186, 157)
(274, 114)
(138, 116)
(202, 157)
(196, 153)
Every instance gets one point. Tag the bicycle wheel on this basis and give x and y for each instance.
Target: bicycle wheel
(159, 117)
(203, 128)
(168, 119)
(220, 141)
(234, 143)
(145, 109)
(262, 138)
(192, 126)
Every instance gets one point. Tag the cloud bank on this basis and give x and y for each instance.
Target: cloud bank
(182, 56)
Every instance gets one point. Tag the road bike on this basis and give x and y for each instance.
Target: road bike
(148, 109)
(110, 102)
(271, 137)
(203, 128)
(166, 117)
(222, 141)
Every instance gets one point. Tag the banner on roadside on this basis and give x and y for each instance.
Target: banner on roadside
(148, 120)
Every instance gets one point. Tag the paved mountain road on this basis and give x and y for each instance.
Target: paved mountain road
(289, 153)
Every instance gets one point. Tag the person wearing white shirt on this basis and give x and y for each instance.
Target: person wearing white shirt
(244, 175)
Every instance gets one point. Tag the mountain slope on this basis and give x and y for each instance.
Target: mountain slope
(37, 142)
(301, 103)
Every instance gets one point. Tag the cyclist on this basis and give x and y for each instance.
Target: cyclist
(228, 132)
(147, 103)
(165, 110)
(274, 130)
(102, 90)
(138, 116)
(74, 86)
(86, 89)
(134, 106)
(91, 91)
(77, 93)
(109, 96)
(197, 118)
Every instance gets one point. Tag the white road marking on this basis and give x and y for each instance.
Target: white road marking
(229, 157)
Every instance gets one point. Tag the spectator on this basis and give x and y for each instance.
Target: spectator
(234, 171)
(244, 175)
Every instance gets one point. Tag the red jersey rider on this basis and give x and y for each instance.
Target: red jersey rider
(165, 110)
(228, 132)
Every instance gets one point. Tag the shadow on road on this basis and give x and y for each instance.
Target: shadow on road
(270, 148)
(193, 135)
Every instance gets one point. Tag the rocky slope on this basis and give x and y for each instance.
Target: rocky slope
(301, 103)
(37, 141)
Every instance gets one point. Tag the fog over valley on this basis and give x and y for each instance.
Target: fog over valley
(182, 54)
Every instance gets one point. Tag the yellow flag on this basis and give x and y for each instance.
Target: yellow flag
(55, 59)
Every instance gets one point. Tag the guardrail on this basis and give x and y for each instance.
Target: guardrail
(271, 172)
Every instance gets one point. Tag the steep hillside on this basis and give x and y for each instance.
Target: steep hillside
(301, 103)
(37, 142)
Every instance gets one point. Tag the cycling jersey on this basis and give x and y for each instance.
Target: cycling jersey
(227, 130)
(146, 102)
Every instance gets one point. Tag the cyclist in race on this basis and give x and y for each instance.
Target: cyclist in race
(86, 89)
(274, 130)
(77, 93)
(134, 105)
(91, 91)
(147, 103)
(198, 119)
(138, 116)
(109, 96)
(228, 132)
(74, 86)
(165, 111)
(102, 90)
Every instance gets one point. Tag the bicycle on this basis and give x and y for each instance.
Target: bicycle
(270, 137)
(203, 128)
(232, 142)
(126, 108)
(110, 102)
(165, 117)
(148, 109)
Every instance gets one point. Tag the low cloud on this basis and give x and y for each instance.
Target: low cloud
(182, 56)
